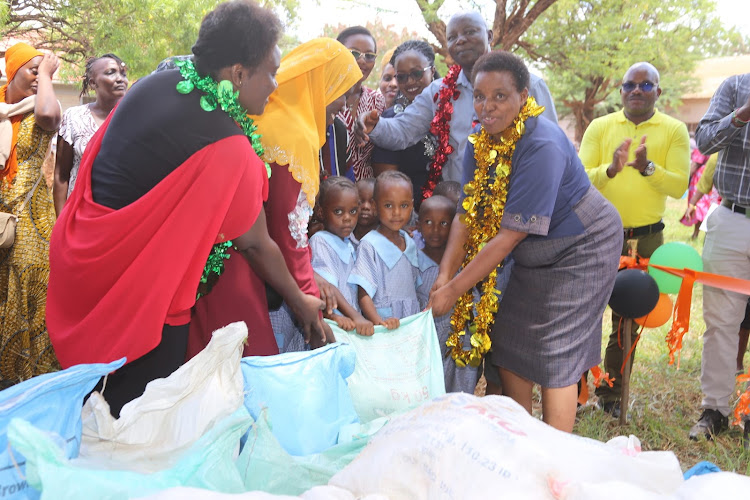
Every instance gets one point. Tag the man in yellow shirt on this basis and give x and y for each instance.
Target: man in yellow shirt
(636, 157)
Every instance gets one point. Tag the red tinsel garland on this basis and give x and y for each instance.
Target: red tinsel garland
(440, 128)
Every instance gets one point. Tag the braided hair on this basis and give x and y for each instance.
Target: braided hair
(420, 46)
(88, 73)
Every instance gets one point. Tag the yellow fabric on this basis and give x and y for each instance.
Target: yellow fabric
(706, 182)
(15, 58)
(293, 125)
(639, 200)
(25, 349)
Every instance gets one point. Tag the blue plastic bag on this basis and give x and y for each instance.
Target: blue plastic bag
(208, 464)
(306, 395)
(52, 403)
(396, 369)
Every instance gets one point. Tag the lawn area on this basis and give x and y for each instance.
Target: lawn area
(664, 399)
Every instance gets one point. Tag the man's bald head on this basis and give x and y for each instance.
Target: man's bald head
(468, 39)
(646, 67)
(639, 92)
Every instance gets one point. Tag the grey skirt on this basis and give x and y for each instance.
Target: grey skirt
(548, 327)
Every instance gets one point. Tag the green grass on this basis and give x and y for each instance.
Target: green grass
(664, 399)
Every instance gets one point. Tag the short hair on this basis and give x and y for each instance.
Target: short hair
(356, 30)
(238, 31)
(390, 176)
(332, 184)
(503, 61)
(449, 189)
(89, 68)
(437, 201)
(368, 181)
(419, 46)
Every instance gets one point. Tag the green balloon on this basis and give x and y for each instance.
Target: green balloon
(677, 255)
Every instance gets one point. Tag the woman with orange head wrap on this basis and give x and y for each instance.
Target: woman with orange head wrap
(29, 116)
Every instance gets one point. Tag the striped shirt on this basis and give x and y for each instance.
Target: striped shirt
(716, 133)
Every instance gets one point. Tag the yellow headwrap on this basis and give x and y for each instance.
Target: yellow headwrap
(15, 58)
(293, 125)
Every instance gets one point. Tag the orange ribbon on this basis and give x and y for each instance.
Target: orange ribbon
(681, 315)
(599, 375)
(743, 404)
(637, 262)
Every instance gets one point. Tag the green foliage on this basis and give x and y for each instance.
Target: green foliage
(586, 46)
(141, 32)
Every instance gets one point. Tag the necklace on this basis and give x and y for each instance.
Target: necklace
(222, 95)
(484, 205)
(440, 128)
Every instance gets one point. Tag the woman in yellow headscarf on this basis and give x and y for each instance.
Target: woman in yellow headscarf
(29, 116)
(312, 80)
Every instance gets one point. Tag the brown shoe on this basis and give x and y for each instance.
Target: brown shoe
(711, 422)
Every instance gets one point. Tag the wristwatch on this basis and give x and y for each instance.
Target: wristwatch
(649, 170)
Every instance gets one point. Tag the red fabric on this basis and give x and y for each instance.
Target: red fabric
(141, 264)
(239, 295)
(283, 192)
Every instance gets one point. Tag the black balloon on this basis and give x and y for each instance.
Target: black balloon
(635, 294)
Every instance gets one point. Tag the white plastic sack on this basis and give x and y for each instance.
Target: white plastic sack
(172, 414)
(208, 463)
(305, 394)
(51, 402)
(317, 493)
(723, 485)
(396, 369)
(460, 446)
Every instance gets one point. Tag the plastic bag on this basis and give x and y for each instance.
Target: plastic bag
(208, 463)
(265, 466)
(52, 403)
(156, 428)
(317, 493)
(306, 395)
(461, 446)
(396, 369)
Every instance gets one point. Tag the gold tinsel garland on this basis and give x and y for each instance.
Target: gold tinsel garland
(484, 205)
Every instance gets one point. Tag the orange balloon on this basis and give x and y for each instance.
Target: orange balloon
(660, 314)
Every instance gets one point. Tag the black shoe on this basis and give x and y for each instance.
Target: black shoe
(612, 407)
(711, 422)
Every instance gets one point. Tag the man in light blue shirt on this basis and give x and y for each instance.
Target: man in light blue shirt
(468, 40)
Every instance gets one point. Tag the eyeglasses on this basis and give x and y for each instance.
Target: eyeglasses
(644, 86)
(414, 75)
(369, 56)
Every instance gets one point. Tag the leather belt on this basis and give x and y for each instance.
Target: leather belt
(734, 207)
(634, 232)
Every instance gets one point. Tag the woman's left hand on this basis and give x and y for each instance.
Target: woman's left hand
(442, 300)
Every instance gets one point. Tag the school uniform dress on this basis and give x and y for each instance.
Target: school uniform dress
(389, 276)
(333, 259)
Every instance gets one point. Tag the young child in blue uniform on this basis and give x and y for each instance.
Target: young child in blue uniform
(435, 216)
(387, 268)
(368, 215)
(333, 255)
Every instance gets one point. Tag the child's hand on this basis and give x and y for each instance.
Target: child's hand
(365, 327)
(391, 323)
(343, 322)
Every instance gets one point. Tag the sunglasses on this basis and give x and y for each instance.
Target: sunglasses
(644, 86)
(369, 56)
(414, 75)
